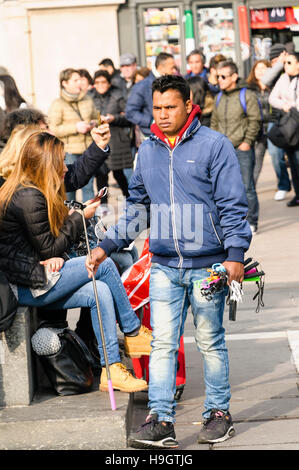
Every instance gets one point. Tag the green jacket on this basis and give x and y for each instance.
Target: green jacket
(229, 118)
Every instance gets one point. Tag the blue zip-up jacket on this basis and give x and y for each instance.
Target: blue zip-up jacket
(139, 108)
(193, 198)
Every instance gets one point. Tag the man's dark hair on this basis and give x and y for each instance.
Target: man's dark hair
(230, 64)
(162, 57)
(107, 62)
(26, 116)
(197, 52)
(172, 82)
(102, 73)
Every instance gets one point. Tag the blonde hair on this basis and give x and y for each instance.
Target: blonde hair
(11, 152)
(40, 165)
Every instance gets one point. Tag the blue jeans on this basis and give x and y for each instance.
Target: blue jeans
(74, 289)
(171, 293)
(87, 190)
(247, 162)
(279, 164)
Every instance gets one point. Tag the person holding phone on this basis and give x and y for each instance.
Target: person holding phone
(37, 231)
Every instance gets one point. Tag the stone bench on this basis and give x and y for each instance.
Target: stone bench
(17, 365)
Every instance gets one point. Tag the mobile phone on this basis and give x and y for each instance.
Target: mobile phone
(101, 193)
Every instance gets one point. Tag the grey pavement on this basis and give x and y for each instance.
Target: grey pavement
(264, 364)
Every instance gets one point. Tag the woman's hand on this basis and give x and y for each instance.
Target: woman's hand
(90, 208)
(53, 264)
(101, 135)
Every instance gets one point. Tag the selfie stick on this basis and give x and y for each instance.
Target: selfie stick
(79, 206)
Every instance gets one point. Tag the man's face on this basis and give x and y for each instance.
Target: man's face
(128, 71)
(227, 81)
(195, 64)
(170, 112)
(167, 67)
(73, 85)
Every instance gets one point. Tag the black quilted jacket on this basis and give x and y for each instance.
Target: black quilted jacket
(26, 239)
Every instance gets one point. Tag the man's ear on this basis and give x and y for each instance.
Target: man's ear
(235, 77)
(189, 106)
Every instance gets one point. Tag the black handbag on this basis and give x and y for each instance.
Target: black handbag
(8, 304)
(285, 132)
(69, 370)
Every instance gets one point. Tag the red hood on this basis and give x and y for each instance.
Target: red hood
(155, 129)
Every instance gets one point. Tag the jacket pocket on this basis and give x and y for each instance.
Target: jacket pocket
(214, 229)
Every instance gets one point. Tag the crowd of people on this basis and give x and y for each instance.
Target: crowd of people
(169, 141)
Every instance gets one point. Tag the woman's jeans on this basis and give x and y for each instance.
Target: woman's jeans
(171, 293)
(279, 164)
(87, 190)
(74, 289)
(247, 162)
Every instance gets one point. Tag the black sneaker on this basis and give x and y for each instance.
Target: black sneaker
(217, 428)
(293, 202)
(154, 434)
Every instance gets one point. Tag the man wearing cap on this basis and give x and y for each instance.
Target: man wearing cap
(128, 67)
(277, 55)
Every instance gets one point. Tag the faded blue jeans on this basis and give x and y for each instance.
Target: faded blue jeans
(247, 163)
(279, 164)
(171, 293)
(74, 289)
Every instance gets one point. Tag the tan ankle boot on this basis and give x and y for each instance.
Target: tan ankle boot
(140, 345)
(121, 379)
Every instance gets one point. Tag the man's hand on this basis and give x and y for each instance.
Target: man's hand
(244, 147)
(101, 135)
(98, 255)
(283, 57)
(234, 270)
(286, 108)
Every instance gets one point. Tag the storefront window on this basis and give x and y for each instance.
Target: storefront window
(162, 34)
(273, 25)
(216, 31)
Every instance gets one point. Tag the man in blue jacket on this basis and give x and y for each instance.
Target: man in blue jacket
(188, 188)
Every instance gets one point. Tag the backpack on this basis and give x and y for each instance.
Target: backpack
(242, 101)
(8, 304)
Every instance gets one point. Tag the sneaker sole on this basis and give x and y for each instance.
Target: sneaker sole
(167, 443)
(230, 433)
(104, 388)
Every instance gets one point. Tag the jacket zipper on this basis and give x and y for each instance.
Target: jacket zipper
(175, 238)
(214, 228)
(171, 190)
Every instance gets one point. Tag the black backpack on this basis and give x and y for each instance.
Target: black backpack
(8, 303)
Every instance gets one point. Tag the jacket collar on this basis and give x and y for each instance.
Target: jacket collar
(190, 124)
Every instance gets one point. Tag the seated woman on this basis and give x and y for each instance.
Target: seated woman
(36, 232)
